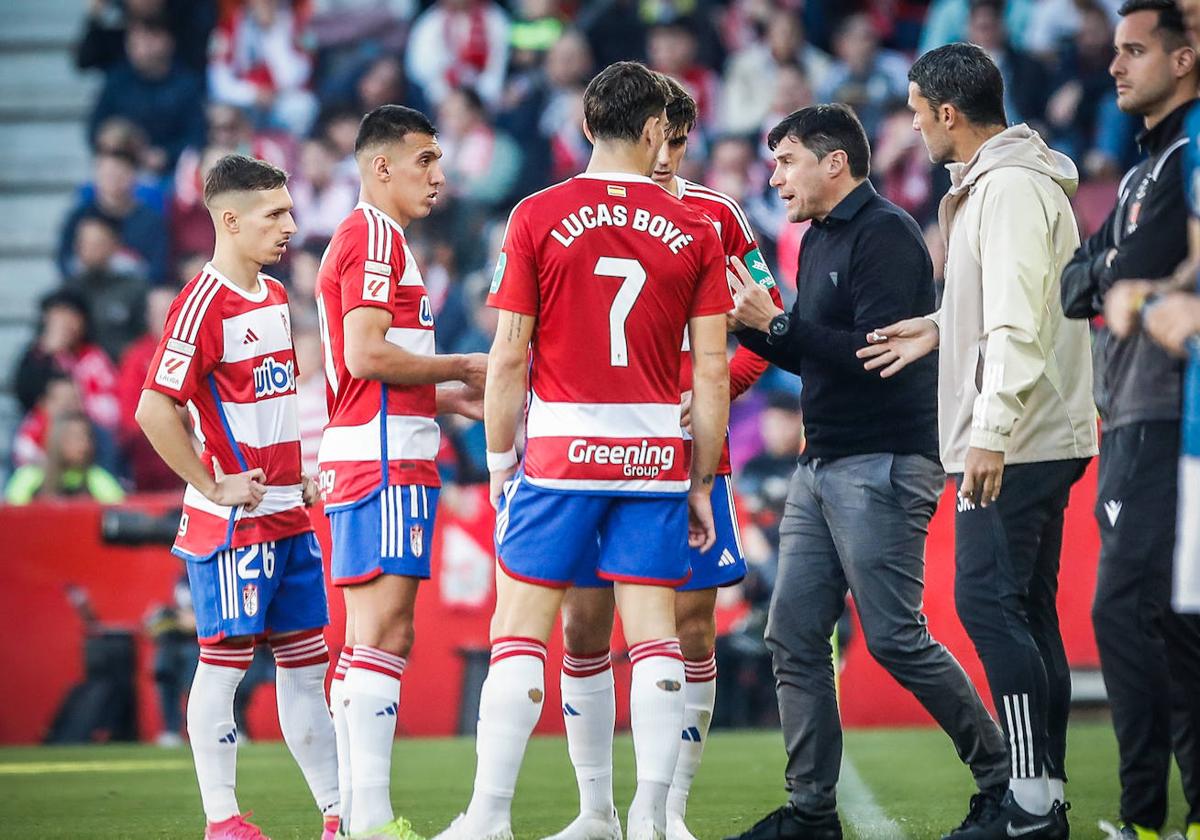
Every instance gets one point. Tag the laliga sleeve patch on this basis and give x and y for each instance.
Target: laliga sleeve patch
(375, 287)
(498, 274)
(757, 267)
(172, 370)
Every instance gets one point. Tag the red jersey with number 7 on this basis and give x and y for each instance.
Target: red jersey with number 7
(612, 266)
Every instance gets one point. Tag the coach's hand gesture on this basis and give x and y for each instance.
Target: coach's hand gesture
(752, 303)
(982, 474)
(895, 347)
(245, 488)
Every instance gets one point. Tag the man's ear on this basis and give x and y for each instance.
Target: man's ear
(587, 132)
(947, 115)
(835, 162)
(230, 221)
(381, 167)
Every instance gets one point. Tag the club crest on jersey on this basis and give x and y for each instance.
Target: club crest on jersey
(416, 539)
(172, 369)
(272, 377)
(250, 599)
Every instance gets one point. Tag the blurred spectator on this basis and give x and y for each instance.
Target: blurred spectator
(310, 391)
(1082, 112)
(103, 42)
(64, 343)
(321, 193)
(143, 230)
(536, 26)
(1053, 23)
(59, 396)
(864, 76)
(107, 280)
(481, 163)
(381, 83)
(751, 74)
(790, 93)
(946, 21)
(146, 469)
(69, 469)
(347, 35)
(782, 431)
(340, 127)
(900, 164)
(155, 91)
(615, 30)
(176, 654)
(257, 61)
(302, 294)
(459, 42)
(122, 136)
(1025, 78)
(672, 49)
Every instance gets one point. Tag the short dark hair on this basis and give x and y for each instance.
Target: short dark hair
(96, 217)
(390, 124)
(681, 108)
(826, 128)
(236, 173)
(1171, 29)
(619, 100)
(962, 75)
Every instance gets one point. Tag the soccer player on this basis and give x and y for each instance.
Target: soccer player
(601, 273)
(588, 693)
(253, 563)
(377, 470)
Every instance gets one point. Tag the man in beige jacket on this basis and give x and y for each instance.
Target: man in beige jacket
(1014, 405)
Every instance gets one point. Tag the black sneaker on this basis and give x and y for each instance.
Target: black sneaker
(790, 823)
(1059, 812)
(1012, 822)
(983, 808)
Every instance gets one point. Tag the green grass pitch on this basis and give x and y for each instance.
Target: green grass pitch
(911, 786)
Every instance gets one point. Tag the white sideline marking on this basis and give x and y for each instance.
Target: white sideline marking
(860, 808)
(38, 768)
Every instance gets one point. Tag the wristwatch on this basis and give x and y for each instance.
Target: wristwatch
(778, 327)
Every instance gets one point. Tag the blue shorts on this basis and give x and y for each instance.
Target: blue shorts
(270, 587)
(722, 565)
(551, 537)
(389, 533)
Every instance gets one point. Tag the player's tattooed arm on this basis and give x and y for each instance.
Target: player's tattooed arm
(504, 392)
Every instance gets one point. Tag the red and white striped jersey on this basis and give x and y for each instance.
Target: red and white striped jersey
(227, 354)
(378, 435)
(612, 266)
(737, 240)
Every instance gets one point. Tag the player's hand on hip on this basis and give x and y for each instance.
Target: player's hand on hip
(245, 488)
(310, 489)
(498, 479)
(752, 303)
(982, 476)
(474, 370)
(1122, 303)
(702, 531)
(895, 347)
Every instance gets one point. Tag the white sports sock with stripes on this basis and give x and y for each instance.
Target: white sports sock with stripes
(699, 699)
(373, 704)
(509, 708)
(589, 713)
(211, 729)
(341, 731)
(656, 712)
(302, 661)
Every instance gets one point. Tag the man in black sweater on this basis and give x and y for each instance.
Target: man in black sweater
(869, 480)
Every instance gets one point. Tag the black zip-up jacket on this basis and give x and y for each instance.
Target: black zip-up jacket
(1136, 380)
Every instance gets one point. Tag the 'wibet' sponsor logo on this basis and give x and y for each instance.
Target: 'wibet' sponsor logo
(638, 460)
(272, 377)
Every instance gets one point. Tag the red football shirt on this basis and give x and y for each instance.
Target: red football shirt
(227, 354)
(612, 266)
(378, 435)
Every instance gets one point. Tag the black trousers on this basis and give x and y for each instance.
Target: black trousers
(1149, 655)
(1005, 589)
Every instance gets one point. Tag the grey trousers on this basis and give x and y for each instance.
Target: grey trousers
(860, 523)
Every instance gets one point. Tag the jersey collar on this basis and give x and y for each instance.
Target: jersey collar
(628, 177)
(366, 205)
(253, 297)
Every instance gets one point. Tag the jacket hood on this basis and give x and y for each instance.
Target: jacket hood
(1017, 145)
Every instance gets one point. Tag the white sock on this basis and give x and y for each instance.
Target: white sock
(509, 708)
(590, 713)
(1032, 794)
(656, 712)
(1058, 789)
(372, 689)
(211, 729)
(341, 730)
(301, 662)
(699, 698)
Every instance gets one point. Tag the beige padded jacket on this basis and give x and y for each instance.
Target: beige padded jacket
(1014, 375)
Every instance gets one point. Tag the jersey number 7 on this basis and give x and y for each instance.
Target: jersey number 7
(633, 278)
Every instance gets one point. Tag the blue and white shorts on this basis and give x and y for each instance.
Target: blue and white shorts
(269, 587)
(722, 565)
(388, 533)
(553, 537)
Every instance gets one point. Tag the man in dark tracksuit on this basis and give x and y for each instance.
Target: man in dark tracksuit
(1150, 657)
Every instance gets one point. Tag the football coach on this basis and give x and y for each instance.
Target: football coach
(861, 497)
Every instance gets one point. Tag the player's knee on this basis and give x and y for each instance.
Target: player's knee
(697, 635)
(584, 633)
